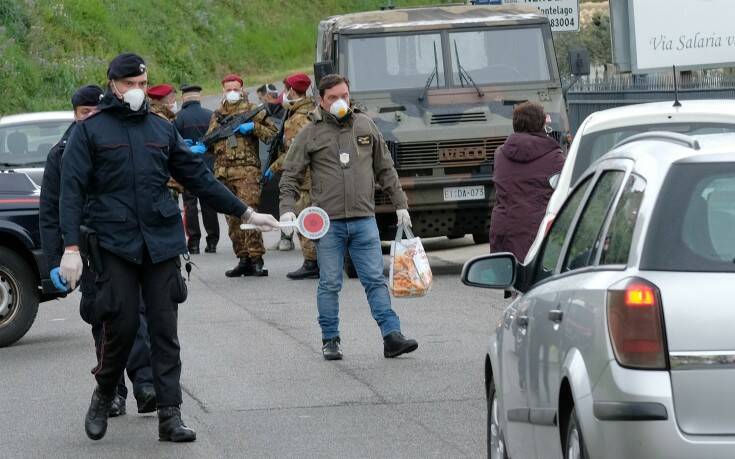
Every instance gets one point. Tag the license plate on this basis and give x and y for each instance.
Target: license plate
(464, 193)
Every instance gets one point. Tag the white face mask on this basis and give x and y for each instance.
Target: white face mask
(174, 107)
(340, 108)
(287, 103)
(134, 97)
(233, 96)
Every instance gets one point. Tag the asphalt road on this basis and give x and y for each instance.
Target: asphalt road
(254, 381)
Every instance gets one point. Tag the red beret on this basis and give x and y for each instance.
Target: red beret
(300, 82)
(232, 77)
(160, 91)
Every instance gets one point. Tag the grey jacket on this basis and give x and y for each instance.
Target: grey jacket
(345, 159)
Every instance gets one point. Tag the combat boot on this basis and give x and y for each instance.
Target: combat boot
(146, 399)
(309, 270)
(118, 407)
(211, 247)
(171, 427)
(257, 268)
(395, 344)
(243, 268)
(95, 424)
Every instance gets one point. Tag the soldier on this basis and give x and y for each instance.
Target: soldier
(298, 106)
(114, 172)
(237, 164)
(346, 155)
(163, 104)
(192, 123)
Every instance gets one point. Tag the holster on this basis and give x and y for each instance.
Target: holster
(90, 249)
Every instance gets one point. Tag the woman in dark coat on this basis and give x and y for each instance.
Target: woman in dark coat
(523, 166)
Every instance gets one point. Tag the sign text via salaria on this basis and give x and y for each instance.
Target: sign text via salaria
(563, 14)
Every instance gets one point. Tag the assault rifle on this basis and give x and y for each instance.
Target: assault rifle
(276, 145)
(227, 126)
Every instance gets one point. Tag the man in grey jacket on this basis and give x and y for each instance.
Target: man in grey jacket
(346, 155)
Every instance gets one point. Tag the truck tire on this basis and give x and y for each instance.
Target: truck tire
(481, 238)
(18, 297)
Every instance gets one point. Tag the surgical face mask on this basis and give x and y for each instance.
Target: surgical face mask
(340, 108)
(134, 97)
(174, 107)
(288, 103)
(233, 96)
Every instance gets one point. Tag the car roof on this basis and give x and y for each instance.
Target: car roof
(706, 110)
(431, 18)
(39, 116)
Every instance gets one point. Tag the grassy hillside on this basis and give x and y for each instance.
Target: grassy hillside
(48, 48)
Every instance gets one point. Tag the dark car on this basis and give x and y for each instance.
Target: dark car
(24, 276)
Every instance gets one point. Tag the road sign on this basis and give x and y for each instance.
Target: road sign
(313, 223)
(563, 14)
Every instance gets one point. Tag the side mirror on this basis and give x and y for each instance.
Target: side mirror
(322, 69)
(554, 181)
(497, 271)
(579, 61)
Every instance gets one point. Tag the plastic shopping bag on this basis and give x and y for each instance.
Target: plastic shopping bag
(410, 273)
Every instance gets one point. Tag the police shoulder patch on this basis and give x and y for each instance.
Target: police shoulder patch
(364, 140)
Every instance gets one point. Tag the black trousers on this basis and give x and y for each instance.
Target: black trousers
(191, 221)
(139, 362)
(118, 299)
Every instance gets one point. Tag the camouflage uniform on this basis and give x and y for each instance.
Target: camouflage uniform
(296, 119)
(239, 169)
(164, 112)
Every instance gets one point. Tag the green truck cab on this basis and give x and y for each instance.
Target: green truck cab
(441, 84)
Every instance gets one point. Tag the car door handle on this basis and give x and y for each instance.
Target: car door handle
(522, 321)
(555, 315)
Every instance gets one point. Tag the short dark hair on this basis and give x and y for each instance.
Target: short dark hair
(261, 90)
(330, 81)
(529, 117)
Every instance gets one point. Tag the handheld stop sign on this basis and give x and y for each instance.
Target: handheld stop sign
(313, 223)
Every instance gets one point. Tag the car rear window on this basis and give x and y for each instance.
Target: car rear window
(593, 146)
(692, 224)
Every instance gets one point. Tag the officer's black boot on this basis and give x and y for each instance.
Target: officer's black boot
(146, 399)
(243, 268)
(95, 424)
(171, 427)
(193, 247)
(211, 247)
(258, 270)
(118, 406)
(395, 344)
(309, 270)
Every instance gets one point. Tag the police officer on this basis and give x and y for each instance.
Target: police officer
(346, 155)
(192, 123)
(84, 101)
(116, 166)
(298, 106)
(238, 167)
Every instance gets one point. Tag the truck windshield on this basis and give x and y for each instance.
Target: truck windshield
(500, 55)
(394, 62)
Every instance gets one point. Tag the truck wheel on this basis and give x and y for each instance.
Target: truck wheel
(18, 297)
(481, 238)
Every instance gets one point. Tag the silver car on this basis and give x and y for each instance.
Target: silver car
(619, 342)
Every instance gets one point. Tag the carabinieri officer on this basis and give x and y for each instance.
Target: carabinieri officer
(115, 167)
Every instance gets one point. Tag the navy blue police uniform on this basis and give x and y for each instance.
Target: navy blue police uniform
(192, 123)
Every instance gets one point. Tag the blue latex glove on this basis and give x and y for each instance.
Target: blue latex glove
(245, 128)
(267, 175)
(189, 142)
(198, 149)
(58, 281)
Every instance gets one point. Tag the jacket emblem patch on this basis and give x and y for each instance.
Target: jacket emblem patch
(363, 140)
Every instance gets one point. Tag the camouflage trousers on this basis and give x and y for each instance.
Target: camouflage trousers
(308, 248)
(245, 184)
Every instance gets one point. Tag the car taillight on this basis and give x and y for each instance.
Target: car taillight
(635, 324)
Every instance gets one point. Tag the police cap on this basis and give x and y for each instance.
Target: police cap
(126, 65)
(190, 88)
(88, 96)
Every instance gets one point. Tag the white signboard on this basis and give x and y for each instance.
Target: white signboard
(563, 14)
(685, 33)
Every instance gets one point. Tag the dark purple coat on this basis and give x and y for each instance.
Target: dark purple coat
(523, 166)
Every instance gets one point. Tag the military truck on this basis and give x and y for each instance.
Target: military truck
(441, 84)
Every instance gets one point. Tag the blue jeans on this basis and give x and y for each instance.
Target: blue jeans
(360, 237)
